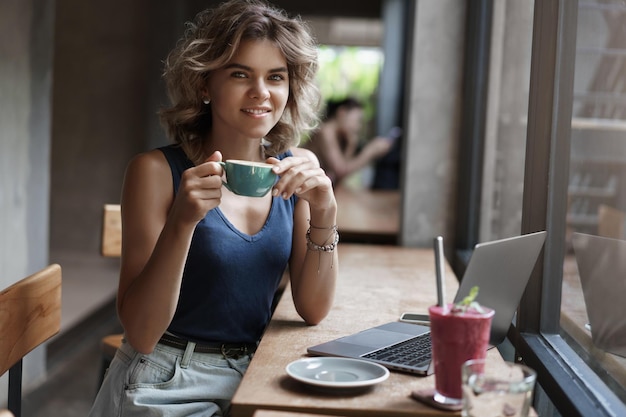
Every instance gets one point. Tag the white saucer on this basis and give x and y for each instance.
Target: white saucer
(337, 372)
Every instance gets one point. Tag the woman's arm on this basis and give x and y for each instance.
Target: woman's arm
(156, 234)
(313, 273)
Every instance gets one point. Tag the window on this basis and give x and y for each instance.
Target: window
(566, 56)
(352, 72)
(555, 160)
(597, 174)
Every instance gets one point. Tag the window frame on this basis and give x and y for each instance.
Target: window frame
(573, 388)
(475, 94)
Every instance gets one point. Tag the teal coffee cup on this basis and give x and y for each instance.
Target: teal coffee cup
(252, 179)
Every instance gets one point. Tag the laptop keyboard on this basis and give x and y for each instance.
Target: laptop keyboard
(411, 352)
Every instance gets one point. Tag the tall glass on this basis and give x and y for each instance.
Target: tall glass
(456, 338)
(497, 389)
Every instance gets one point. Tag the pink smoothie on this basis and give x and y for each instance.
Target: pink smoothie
(456, 338)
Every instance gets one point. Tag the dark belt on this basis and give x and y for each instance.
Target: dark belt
(233, 350)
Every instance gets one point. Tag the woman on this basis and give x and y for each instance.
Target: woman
(336, 141)
(200, 265)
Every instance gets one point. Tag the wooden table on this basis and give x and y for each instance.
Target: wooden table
(272, 413)
(376, 284)
(368, 216)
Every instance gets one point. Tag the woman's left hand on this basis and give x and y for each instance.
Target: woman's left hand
(303, 177)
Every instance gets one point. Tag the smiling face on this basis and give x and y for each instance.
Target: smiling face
(249, 94)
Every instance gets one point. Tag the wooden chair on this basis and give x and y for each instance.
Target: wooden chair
(610, 222)
(30, 314)
(111, 246)
(111, 231)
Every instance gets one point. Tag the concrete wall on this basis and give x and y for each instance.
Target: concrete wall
(26, 36)
(99, 109)
(432, 119)
(107, 64)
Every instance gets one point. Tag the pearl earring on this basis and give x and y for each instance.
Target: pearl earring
(206, 100)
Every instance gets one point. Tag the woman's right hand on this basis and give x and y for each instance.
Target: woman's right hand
(200, 190)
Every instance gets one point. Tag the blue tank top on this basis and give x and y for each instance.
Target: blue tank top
(230, 278)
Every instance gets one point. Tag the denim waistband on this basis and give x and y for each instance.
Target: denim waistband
(227, 349)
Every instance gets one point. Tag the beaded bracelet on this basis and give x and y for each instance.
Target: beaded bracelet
(322, 248)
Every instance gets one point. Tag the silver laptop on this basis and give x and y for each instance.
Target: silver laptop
(500, 269)
(602, 269)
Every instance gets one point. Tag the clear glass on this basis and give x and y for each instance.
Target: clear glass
(497, 389)
(597, 180)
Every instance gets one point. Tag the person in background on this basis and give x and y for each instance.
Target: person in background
(336, 141)
(200, 265)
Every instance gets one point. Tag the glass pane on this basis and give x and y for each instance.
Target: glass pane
(597, 190)
(507, 113)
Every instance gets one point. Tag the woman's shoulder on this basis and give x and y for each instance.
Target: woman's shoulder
(152, 158)
(148, 163)
(147, 173)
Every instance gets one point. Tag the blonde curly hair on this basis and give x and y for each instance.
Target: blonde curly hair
(209, 42)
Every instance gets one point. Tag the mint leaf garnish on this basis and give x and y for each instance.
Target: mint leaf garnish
(468, 302)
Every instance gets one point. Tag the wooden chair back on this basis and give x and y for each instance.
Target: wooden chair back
(30, 314)
(111, 246)
(112, 231)
(610, 222)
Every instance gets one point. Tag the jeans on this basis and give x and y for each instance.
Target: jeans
(168, 382)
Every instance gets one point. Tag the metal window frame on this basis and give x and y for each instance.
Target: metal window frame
(571, 385)
(472, 142)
